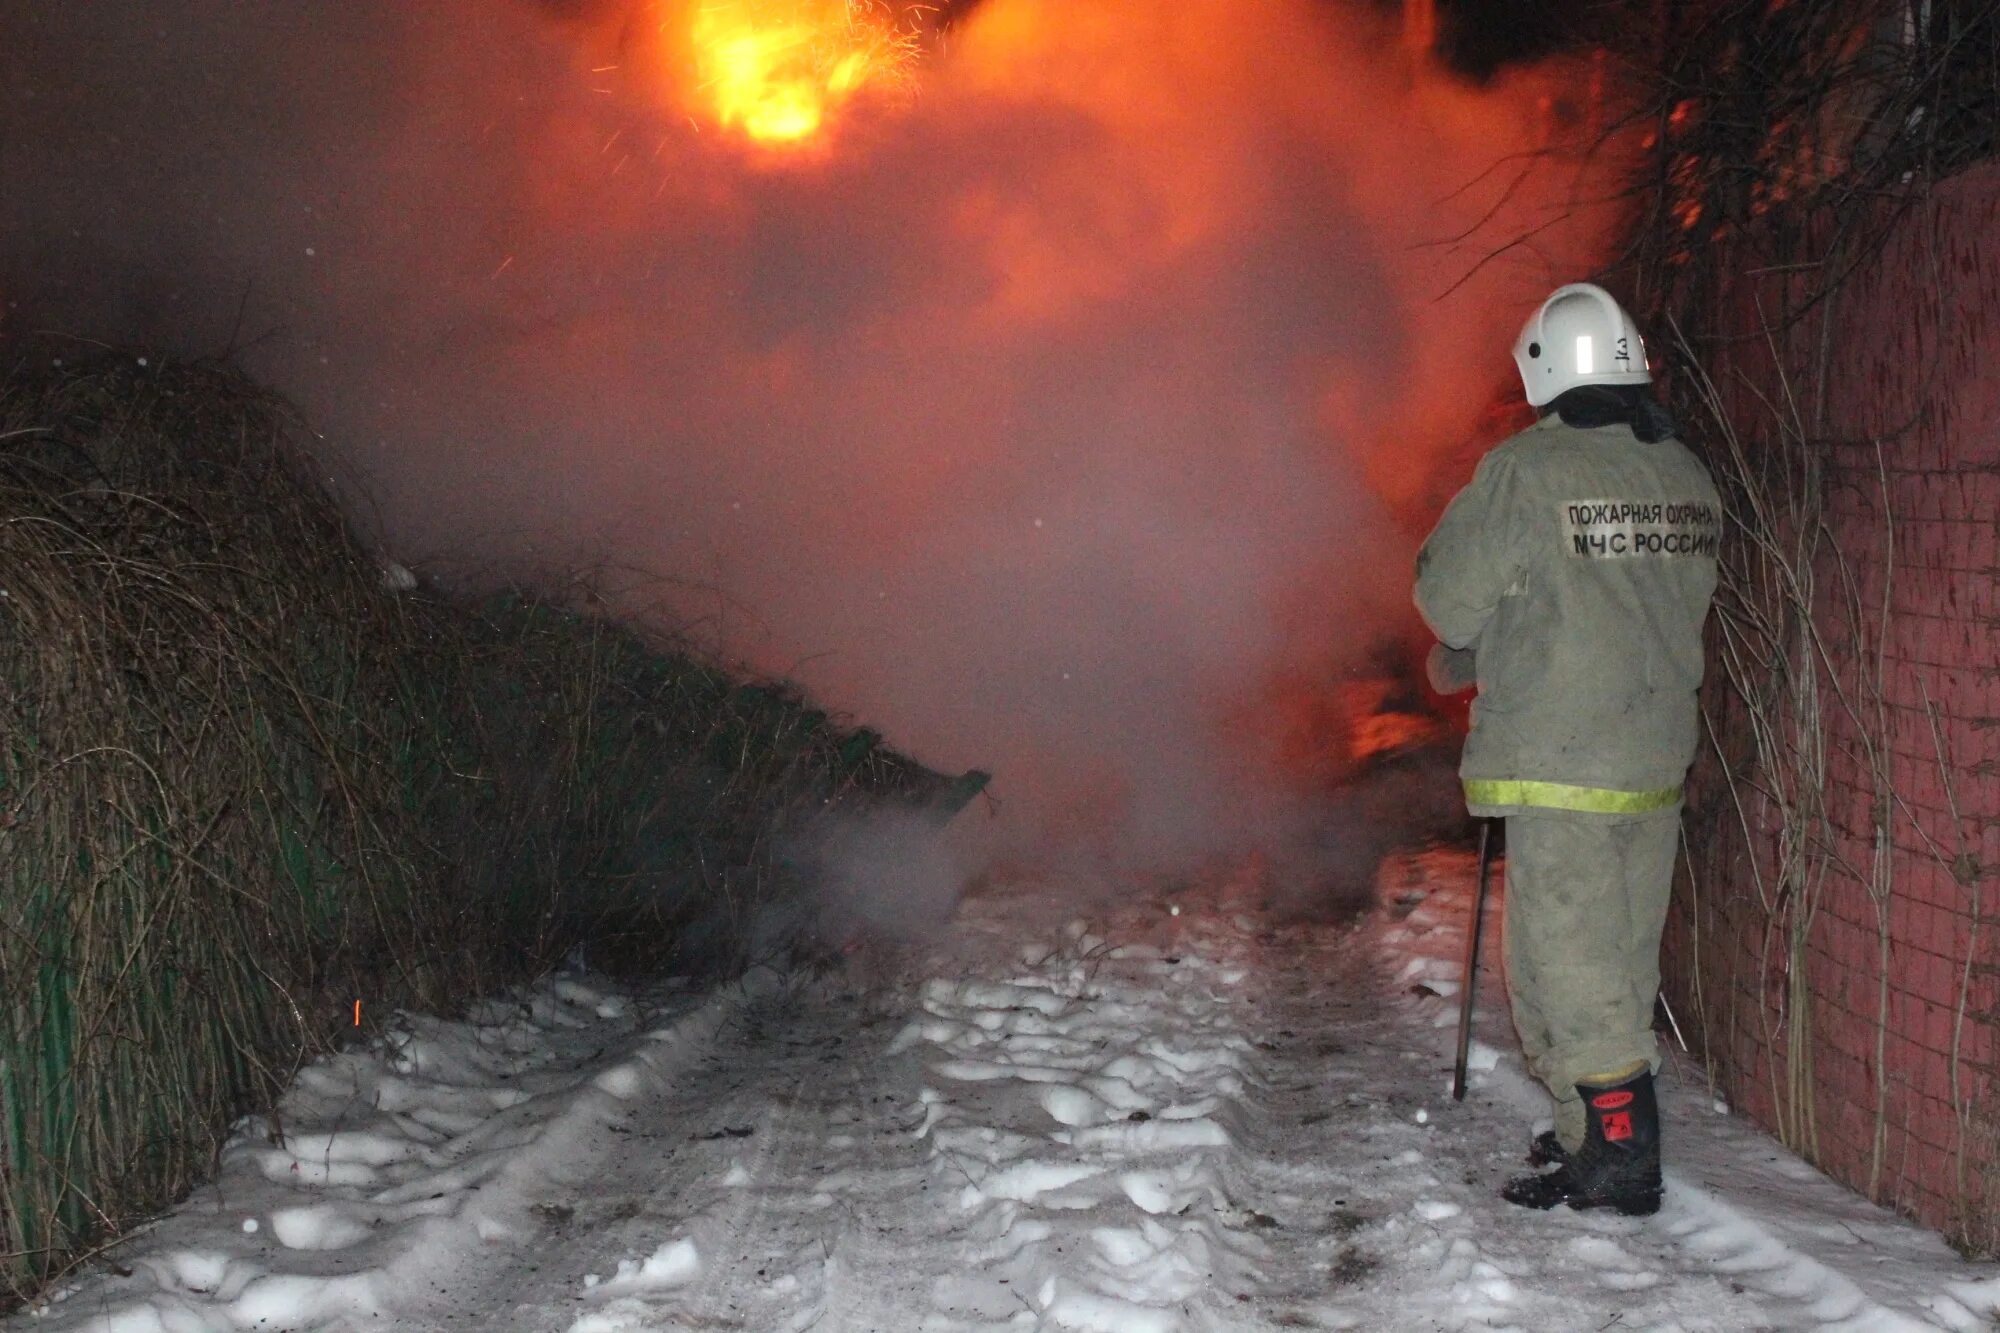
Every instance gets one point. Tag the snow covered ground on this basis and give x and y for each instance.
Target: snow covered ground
(1172, 1115)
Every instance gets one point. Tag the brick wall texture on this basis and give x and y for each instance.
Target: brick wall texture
(1908, 896)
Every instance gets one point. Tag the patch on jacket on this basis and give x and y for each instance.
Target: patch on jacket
(1629, 529)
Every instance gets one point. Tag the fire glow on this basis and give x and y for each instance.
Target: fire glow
(776, 70)
(1071, 420)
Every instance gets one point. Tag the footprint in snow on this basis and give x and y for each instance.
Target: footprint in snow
(1616, 1268)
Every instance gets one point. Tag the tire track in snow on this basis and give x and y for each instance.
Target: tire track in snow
(796, 1160)
(1082, 1109)
(400, 1165)
(1177, 1115)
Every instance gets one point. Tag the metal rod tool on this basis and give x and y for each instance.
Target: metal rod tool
(1470, 982)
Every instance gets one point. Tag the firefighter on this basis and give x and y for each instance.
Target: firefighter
(1569, 581)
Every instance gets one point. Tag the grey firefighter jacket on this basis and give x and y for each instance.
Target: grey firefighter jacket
(1579, 563)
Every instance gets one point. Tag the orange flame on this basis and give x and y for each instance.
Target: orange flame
(775, 70)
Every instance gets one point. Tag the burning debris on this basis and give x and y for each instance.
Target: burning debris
(776, 76)
(777, 69)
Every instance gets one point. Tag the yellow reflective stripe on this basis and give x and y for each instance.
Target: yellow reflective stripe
(1562, 796)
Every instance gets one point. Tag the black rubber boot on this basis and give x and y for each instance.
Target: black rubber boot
(1618, 1166)
(1547, 1150)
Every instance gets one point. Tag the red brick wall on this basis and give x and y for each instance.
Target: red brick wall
(1912, 492)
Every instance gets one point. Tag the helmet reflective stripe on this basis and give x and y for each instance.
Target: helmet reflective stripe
(1603, 345)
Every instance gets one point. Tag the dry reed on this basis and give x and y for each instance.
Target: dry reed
(243, 783)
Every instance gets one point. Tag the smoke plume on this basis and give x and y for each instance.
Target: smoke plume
(1067, 409)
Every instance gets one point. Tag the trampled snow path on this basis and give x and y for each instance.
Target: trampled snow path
(1136, 1119)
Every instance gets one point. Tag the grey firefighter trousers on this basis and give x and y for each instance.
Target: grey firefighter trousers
(1586, 899)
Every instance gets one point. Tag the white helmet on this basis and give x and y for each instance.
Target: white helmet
(1579, 336)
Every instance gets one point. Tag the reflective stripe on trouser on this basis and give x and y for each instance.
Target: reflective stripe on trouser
(1489, 792)
(1586, 898)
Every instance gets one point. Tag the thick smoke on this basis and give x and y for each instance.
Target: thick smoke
(1062, 413)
